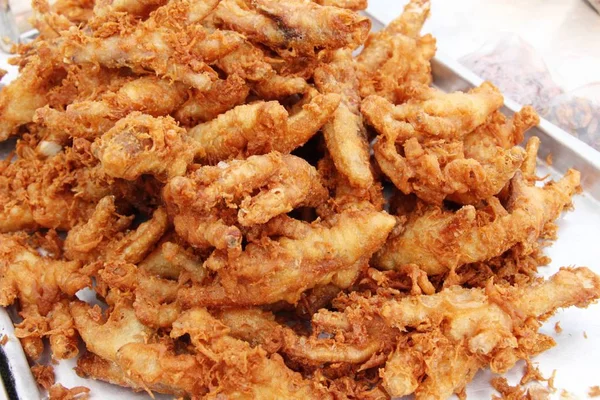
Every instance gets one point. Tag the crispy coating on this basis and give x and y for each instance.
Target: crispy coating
(59, 392)
(396, 57)
(438, 240)
(493, 144)
(50, 21)
(90, 119)
(345, 134)
(141, 144)
(254, 326)
(248, 61)
(105, 237)
(294, 26)
(20, 99)
(106, 336)
(63, 337)
(221, 366)
(154, 303)
(343, 193)
(530, 163)
(283, 268)
(205, 106)
(349, 4)
(432, 114)
(89, 365)
(284, 182)
(39, 284)
(44, 375)
(171, 260)
(251, 373)
(217, 153)
(261, 127)
(134, 7)
(76, 11)
(279, 87)
(152, 44)
(465, 330)
(58, 193)
(433, 163)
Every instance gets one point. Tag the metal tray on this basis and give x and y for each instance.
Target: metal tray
(575, 358)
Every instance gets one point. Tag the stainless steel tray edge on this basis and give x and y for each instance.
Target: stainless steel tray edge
(22, 382)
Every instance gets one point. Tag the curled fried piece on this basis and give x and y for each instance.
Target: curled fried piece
(262, 127)
(349, 4)
(283, 268)
(205, 106)
(254, 326)
(89, 365)
(20, 99)
(63, 337)
(57, 193)
(151, 44)
(154, 303)
(432, 114)
(105, 237)
(218, 365)
(294, 26)
(76, 11)
(438, 240)
(397, 57)
(59, 392)
(493, 145)
(284, 183)
(50, 24)
(343, 192)
(132, 7)
(433, 164)
(90, 119)
(141, 144)
(39, 284)
(345, 134)
(170, 260)
(105, 336)
(460, 331)
(250, 372)
(249, 62)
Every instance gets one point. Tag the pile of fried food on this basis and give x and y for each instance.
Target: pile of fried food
(215, 171)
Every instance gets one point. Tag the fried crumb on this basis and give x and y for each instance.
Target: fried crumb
(538, 392)
(594, 391)
(59, 392)
(518, 392)
(501, 385)
(549, 159)
(565, 395)
(551, 382)
(557, 327)
(585, 334)
(3, 73)
(3, 340)
(43, 375)
(532, 373)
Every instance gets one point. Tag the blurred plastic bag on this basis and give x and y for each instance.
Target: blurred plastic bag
(517, 69)
(522, 75)
(595, 4)
(578, 112)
